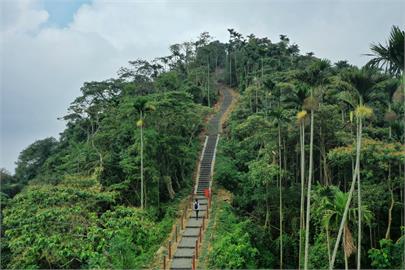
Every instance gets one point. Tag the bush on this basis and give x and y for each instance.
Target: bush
(232, 248)
(388, 256)
(74, 225)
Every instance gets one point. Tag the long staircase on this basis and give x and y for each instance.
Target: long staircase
(186, 249)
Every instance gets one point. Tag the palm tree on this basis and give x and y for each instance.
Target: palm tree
(280, 90)
(389, 87)
(142, 106)
(317, 76)
(301, 117)
(362, 85)
(331, 205)
(310, 103)
(399, 97)
(361, 112)
(391, 56)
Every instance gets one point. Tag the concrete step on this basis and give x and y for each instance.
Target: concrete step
(203, 207)
(187, 242)
(200, 198)
(181, 263)
(193, 222)
(184, 253)
(183, 256)
(203, 184)
(191, 232)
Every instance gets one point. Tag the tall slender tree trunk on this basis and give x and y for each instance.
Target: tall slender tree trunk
(230, 69)
(349, 199)
(308, 214)
(359, 211)
(236, 74)
(262, 70)
(302, 218)
(208, 84)
(344, 251)
(256, 107)
(403, 179)
(328, 242)
(267, 221)
(142, 189)
(280, 196)
(388, 232)
(389, 122)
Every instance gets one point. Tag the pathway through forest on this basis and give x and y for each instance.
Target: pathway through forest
(191, 236)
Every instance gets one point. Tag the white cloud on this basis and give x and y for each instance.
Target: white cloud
(22, 16)
(43, 67)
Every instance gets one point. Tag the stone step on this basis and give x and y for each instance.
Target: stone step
(187, 242)
(200, 216)
(181, 263)
(199, 197)
(183, 256)
(184, 253)
(194, 222)
(203, 207)
(203, 181)
(191, 232)
(200, 211)
(205, 166)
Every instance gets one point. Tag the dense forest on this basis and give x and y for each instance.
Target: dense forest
(312, 155)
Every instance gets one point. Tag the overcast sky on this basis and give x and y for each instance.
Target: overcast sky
(48, 48)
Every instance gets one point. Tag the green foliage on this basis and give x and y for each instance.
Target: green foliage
(388, 256)
(168, 81)
(31, 159)
(61, 227)
(318, 255)
(9, 184)
(127, 237)
(391, 56)
(232, 248)
(48, 226)
(276, 83)
(79, 205)
(377, 156)
(226, 172)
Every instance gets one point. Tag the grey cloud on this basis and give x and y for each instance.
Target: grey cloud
(42, 70)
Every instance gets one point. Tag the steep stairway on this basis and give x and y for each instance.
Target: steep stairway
(186, 249)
